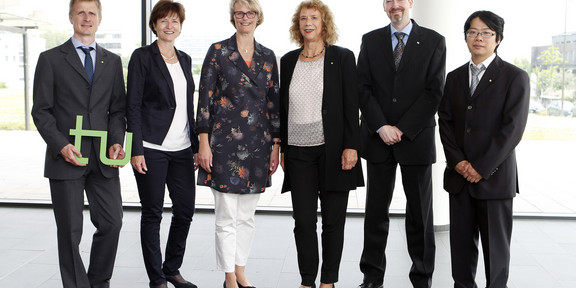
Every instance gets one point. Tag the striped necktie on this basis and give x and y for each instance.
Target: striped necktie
(399, 48)
(475, 73)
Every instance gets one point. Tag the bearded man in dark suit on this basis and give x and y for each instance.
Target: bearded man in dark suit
(482, 118)
(80, 77)
(401, 75)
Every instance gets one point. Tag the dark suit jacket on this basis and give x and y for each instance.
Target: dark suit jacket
(151, 100)
(62, 91)
(339, 114)
(485, 128)
(407, 98)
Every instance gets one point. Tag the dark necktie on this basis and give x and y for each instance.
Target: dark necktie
(399, 48)
(475, 73)
(88, 64)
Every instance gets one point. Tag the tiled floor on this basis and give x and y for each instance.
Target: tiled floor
(543, 252)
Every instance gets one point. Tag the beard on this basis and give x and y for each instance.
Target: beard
(396, 18)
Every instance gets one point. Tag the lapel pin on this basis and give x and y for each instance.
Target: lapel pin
(418, 42)
(102, 62)
(331, 63)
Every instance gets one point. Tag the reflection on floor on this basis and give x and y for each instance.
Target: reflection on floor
(543, 252)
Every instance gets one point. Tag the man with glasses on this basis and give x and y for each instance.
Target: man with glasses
(482, 118)
(80, 77)
(401, 75)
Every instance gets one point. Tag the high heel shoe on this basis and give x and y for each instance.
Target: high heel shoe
(240, 285)
(179, 282)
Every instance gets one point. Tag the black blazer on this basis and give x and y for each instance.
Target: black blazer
(151, 101)
(62, 91)
(339, 114)
(485, 128)
(407, 98)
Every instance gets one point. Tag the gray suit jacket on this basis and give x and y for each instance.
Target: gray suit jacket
(62, 91)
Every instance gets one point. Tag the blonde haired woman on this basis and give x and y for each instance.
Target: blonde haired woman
(320, 138)
(239, 126)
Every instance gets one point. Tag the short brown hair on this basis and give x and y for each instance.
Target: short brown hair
(98, 5)
(165, 8)
(329, 30)
(253, 5)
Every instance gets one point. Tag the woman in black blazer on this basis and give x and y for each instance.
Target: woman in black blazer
(319, 138)
(160, 115)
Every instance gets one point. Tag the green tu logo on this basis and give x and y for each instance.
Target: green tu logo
(79, 132)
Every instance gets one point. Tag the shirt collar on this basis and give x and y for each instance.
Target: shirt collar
(486, 62)
(77, 43)
(406, 29)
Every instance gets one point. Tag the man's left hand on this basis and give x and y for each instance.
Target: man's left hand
(116, 152)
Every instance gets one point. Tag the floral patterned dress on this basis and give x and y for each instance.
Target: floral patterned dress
(239, 107)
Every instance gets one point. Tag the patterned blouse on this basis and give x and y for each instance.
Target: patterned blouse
(239, 107)
(305, 127)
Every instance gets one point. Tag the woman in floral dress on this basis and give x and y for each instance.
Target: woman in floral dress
(239, 128)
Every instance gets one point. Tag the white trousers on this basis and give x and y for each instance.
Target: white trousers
(234, 228)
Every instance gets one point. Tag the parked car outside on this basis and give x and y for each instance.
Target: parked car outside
(559, 108)
(536, 107)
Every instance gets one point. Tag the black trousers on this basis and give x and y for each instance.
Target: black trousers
(174, 170)
(417, 183)
(306, 166)
(105, 203)
(492, 220)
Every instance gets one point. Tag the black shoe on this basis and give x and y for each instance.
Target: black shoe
(370, 285)
(240, 285)
(179, 282)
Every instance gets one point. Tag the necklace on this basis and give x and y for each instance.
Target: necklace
(313, 56)
(166, 58)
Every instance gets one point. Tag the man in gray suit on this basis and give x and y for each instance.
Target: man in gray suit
(81, 78)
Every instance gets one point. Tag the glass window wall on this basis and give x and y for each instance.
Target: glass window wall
(545, 46)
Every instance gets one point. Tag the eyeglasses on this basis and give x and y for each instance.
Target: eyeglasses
(240, 14)
(485, 34)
